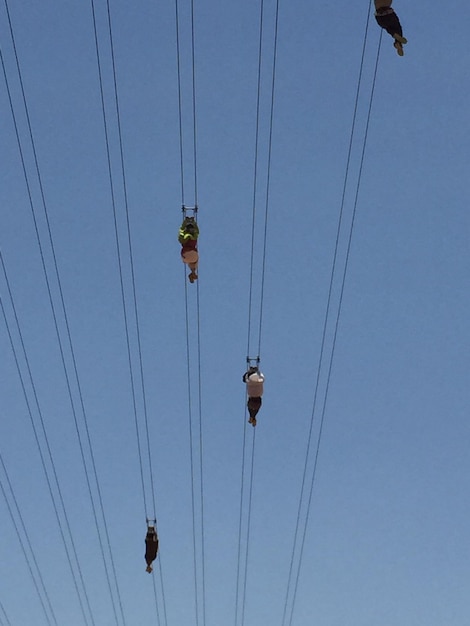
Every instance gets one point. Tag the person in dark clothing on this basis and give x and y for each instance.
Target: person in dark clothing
(151, 547)
(387, 18)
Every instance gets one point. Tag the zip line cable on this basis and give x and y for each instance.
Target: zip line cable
(32, 564)
(255, 176)
(193, 461)
(250, 359)
(331, 356)
(199, 573)
(119, 256)
(180, 103)
(201, 454)
(193, 66)
(134, 293)
(247, 547)
(4, 616)
(131, 260)
(193, 104)
(67, 327)
(49, 452)
(268, 174)
(191, 451)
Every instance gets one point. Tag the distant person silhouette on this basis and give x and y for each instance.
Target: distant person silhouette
(187, 236)
(388, 19)
(151, 547)
(254, 380)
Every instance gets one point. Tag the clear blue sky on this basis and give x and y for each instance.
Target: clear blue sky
(387, 535)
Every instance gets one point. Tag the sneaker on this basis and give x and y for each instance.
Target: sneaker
(400, 38)
(399, 48)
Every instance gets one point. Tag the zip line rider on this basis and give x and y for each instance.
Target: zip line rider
(387, 18)
(151, 545)
(254, 380)
(187, 236)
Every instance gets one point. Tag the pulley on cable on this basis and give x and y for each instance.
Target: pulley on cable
(254, 380)
(187, 236)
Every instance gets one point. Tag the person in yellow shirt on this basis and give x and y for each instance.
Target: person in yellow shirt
(187, 236)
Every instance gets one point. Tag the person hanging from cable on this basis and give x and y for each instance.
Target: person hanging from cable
(188, 236)
(388, 19)
(254, 380)
(151, 545)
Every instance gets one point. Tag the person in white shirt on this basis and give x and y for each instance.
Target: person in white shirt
(254, 380)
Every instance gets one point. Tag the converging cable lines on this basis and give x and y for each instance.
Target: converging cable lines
(193, 129)
(254, 337)
(293, 579)
(76, 562)
(27, 549)
(5, 621)
(150, 513)
(255, 180)
(193, 362)
(99, 504)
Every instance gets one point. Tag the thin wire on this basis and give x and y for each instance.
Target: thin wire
(250, 298)
(30, 548)
(5, 616)
(268, 178)
(327, 313)
(118, 247)
(51, 459)
(250, 500)
(198, 337)
(242, 488)
(160, 566)
(193, 64)
(191, 452)
(180, 105)
(131, 260)
(255, 176)
(332, 352)
(156, 600)
(64, 311)
(201, 448)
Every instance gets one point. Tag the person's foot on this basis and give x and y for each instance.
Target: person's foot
(192, 277)
(400, 38)
(149, 569)
(399, 48)
(252, 421)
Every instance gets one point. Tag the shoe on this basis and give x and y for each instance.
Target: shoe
(192, 277)
(252, 421)
(400, 38)
(399, 48)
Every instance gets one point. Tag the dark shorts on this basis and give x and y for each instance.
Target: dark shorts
(254, 405)
(391, 23)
